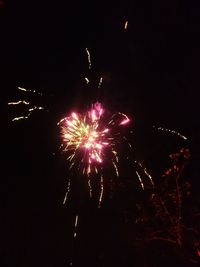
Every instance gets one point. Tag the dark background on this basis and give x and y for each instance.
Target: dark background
(150, 71)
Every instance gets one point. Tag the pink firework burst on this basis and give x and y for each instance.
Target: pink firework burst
(91, 135)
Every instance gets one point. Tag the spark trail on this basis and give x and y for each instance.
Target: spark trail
(126, 25)
(142, 174)
(29, 108)
(29, 90)
(89, 58)
(100, 82)
(170, 131)
(19, 102)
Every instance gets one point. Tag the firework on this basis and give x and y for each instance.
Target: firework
(91, 140)
(88, 138)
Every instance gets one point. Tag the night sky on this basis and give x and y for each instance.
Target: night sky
(150, 71)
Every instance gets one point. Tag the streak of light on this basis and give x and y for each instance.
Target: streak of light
(142, 185)
(126, 25)
(124, 137)
(19, 102)
(170, 131)
(75, 226)
(101, 193)
(100, 82)
(76, 221)
(89, 58)
(145, 171)
(116, 156)
(90, 188)
(23, 89)
(67, 192)
(31, 110)
(58, 123)
(20, 118)
(150, 177)
(116, 169)
(126, 120)
(28, 90)
(87, 80)
(35, 108)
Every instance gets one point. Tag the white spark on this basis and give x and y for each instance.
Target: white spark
(75, 226)
(142, 185)
(101, 193)
(28, 90)
(67, 192)
(170, 131)
(126, 25)
(150, 177)
(89, 58)
(35, 108)
(116, 169)
(87, 80)
(19, 102)
(20, 118)
(100, 82)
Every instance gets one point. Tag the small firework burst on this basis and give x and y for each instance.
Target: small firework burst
(89, 137)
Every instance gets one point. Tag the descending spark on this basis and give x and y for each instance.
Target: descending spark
(28, 90)
(144, 171)
(75, 236)
(60, 121)
(89, 58)
(126, 25)
(170, 131)
(116, 156)
(122, 115)
(115, 167)
(129, 144)
(125, 120)
(100, 82)
(35, 108)
(20, 118)
(149, 176)
(90, 188)
(87, 80)
(75, 226)
(67, 192)
(19, 102)
(23, 89)
(30, 111)
(140, 179)
(101, 193)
